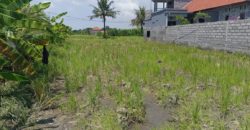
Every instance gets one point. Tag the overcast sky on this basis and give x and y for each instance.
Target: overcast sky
(80, 10)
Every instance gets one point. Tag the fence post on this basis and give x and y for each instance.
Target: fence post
(225, 44)
(227, 31)
(196, 33)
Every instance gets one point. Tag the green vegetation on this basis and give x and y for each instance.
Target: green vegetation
(25, 31)
(182, 20)
(124, 32)
(111, 32)
(204, 89)
(116, 83)
(85, 31)
(201, 17)
(139, 19)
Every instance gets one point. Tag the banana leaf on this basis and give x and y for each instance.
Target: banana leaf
(13, 76)
(14, 4)
(19, 62)
(58, 16)
(39, 7)
(32, 24)
(3, 62)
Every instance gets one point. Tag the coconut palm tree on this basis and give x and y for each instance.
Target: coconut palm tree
(103, 10)
(140, 17)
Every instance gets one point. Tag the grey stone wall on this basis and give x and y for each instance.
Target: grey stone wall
(231, 36)
(157, 20)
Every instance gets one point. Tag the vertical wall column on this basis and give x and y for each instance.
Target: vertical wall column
(155, 6)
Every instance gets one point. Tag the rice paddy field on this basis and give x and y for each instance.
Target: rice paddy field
(130, 83)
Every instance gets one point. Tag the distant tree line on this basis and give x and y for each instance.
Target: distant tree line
(124, 32)
(111, 32)
(82, 31)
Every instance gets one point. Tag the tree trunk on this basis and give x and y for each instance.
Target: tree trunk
(142, 29)
(104, 26)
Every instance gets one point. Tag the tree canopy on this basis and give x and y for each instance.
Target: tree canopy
(140, 17)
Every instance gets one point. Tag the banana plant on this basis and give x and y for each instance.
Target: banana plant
(23, 28)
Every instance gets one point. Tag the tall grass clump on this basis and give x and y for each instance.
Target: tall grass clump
(225, 100)
(246, 93)
(196, 113)
(94, 94)
(71, 105)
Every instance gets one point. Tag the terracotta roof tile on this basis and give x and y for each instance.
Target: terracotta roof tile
(198, 5)
(96, 29)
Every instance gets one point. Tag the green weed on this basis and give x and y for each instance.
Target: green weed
(225, 100)
(246, 93)
(196, 113)
(71, 105)
(94, 94)
(41, 89)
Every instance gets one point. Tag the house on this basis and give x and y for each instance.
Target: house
(227, 27)
(165, 11)
(220, 10)
(96, 30)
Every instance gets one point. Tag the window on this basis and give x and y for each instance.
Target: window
(227, 17)
(242, 16)
(171, 23)
(170, 4)
(201, 20)
(148, 34)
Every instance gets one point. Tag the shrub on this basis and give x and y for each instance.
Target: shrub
(181, 20)
(200, 15)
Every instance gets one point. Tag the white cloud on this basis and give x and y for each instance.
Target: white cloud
(126, 8)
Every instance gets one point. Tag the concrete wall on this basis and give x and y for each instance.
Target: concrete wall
(232, 36)
(158, 19)
(161, 18)
(234, 11)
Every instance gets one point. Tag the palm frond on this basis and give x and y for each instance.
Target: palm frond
(104, 9)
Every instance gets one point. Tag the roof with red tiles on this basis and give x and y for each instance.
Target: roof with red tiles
(199, 5)
(96, 29)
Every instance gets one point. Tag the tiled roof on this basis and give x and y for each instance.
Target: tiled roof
(198, 5)
(96, 29)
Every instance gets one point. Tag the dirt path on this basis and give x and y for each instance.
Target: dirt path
(54, 118)
(156, 115)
